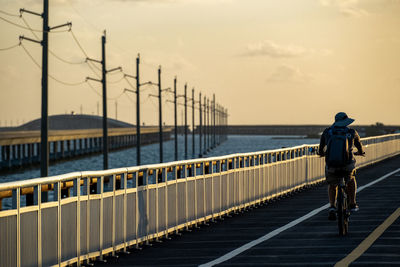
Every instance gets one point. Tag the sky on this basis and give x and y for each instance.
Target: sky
(266, 61)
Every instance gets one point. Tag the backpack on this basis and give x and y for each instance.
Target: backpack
(338, 148)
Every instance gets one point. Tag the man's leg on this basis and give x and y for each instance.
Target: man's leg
(351, 190)
(332, 192)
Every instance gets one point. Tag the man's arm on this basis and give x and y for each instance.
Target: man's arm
(322, 145)
(357, 142)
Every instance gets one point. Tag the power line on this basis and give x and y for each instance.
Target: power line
(80, 15)
(155, 105)
(67, 83)
(148, 87)
(52, 77)
(9, 14)
(97, 93)
(130, 99)
(78, 43)
(59, 58)
(89, 64)
(95, 66)
(66, 61)
(23, 27)
(114, 82)
(11, 47)
(92, 67)
(51, 52)
(29, 54)
(133, 87)
(115, 98)
(18, 25)
(93, 89)
(29, 27)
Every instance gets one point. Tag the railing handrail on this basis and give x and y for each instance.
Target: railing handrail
(39, 181)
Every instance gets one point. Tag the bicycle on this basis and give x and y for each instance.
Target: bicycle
(342, 204)
(342, 210)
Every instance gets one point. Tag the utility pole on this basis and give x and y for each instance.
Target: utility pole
(160, 115)
(103, 81)
(226, 123)
(193, 122)
(176, 121)
(208, 125)
(138, 141)
(223, 123)
(221, 115)
(205, 125)
(214, 129)
(116, 109)
(219, 124)
(200, 121)
(44, 147)
(227, 116)
(186, 126)
(159, 96)
(137, 92)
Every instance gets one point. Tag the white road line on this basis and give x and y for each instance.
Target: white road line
(377, 180)
(253, 243)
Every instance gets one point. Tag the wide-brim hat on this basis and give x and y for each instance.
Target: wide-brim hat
(342, 120)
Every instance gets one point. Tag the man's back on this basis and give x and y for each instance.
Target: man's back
(339, 142)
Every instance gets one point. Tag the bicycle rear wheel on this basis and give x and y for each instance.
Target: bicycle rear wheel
(342, 216)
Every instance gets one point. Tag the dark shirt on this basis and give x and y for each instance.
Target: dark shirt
(354, 141)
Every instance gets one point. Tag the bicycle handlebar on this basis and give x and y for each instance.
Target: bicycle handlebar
(312, 150)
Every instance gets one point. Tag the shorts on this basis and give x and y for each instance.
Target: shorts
(334, 174)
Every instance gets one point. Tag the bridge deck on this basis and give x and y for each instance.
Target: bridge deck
(27, 137)
(312, 242)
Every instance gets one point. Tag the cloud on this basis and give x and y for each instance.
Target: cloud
(353, 12)
(325, 52)
(173, 62)
(178, 62)
(180, 42)
(288, 74)
(269, 48)
(348, 8)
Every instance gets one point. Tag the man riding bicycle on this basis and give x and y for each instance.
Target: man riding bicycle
(336, 145)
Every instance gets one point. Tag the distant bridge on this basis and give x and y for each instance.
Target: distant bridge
(22, 148)
(306, 130)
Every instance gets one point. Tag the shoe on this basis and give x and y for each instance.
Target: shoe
(332, 214)
(354, 207)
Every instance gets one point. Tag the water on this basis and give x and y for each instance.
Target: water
(127, 157)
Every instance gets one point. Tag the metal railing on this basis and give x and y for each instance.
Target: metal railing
(80, 216)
